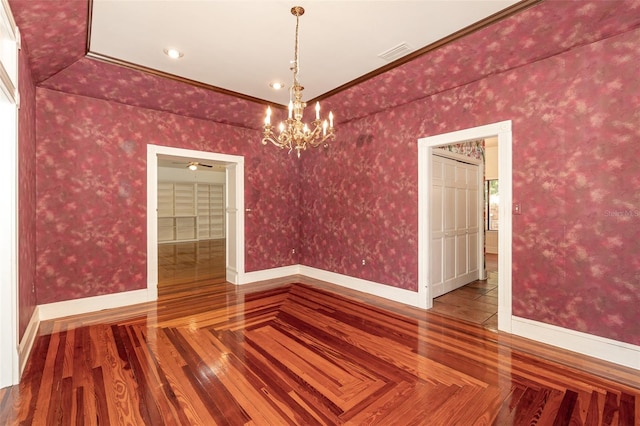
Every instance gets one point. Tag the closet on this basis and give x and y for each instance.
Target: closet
(190, 211)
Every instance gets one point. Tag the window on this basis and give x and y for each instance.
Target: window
(492, 198)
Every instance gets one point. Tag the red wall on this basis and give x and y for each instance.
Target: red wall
(26, 194)
(91, 193)
(575, 127)
(576, 145)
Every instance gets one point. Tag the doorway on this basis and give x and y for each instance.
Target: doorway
(501, 130)
(233, 243)
(191, 231)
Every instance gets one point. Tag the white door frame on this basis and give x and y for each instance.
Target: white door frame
(234, 222)
(9, 105)
(9, 359)
(501, 130)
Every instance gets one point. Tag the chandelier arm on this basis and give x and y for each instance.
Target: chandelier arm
(316, 140)
(281, 141)
(313, 137)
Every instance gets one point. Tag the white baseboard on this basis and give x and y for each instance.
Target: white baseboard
(28, 339)
(93, 304)
(270, 274)
(369, 287)
(602, 348)
(232, 275)
(396, 294)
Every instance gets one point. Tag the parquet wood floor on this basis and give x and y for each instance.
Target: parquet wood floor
(281, 354)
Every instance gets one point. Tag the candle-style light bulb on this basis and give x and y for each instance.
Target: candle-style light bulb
(317, 110)
(324, 128)
(281, 127)
(290, 109)
(267, 120)
(330, 119)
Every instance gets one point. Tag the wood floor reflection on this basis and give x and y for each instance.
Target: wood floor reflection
(276, 353)
(190, 262)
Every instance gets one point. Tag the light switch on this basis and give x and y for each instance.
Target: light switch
(517, 208)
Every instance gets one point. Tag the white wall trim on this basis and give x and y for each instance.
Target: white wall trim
(395, 294)
(270, 274)
(388, 292)
(29, 338)
(9, 104)
(86, 305)
(503, 132)
(609, 350)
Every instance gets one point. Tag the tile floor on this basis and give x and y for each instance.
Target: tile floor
(476, 302)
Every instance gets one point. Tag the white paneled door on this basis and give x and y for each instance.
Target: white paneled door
(455, 224)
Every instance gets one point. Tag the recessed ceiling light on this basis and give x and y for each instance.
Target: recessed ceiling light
(173, 53)
(276, 85)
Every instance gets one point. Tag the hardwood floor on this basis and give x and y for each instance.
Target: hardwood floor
(476, 302)
(276, 353)
(182, 263)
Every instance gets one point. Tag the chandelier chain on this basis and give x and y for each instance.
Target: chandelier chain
(296, 67)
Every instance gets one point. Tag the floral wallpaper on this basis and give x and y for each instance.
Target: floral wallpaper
(576, 246)
(57, 32)
(359, 203)
(26, 195)
(91, 201)
(474, 149)
(132, 87)
(54, 31)
(541, 31)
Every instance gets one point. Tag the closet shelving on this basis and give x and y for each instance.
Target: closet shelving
(190, 211)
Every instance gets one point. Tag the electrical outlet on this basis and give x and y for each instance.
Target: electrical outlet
(293, 251)
(517, 208)
(364, 262)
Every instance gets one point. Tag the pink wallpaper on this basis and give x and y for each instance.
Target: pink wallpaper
(57, 32)
(131, 87)
(576, 247)
(26, 195)
(539, 32)
(54, 31)
(91, 203)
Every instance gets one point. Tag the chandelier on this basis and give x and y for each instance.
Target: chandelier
(293, 133)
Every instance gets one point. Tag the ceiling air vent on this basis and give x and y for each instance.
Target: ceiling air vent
(395, 52)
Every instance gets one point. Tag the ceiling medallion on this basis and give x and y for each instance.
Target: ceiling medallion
(294, 133)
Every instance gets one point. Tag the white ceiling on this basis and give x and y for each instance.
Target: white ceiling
(242, 46)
